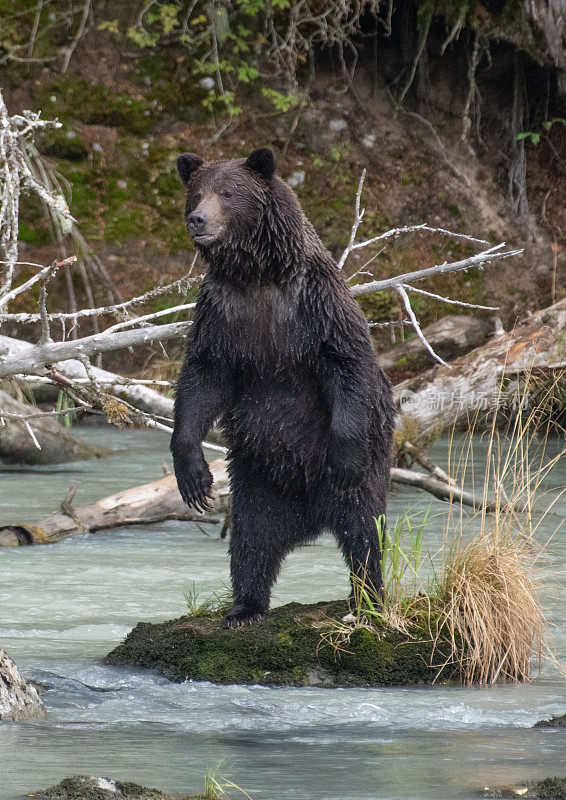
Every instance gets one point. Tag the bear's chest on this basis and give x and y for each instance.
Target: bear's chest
(261, 325)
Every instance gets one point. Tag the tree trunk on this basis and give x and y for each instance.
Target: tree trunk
(17, 445)
(486, 378)
(153, 502)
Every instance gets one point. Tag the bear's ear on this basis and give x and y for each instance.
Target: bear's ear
(262, 162)
(186, 165)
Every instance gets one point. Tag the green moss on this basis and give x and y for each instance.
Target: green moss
(64, 143)
(34, 235)
(72, 98)
(285, 649)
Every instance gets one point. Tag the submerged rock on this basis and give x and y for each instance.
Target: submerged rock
(285, 649)
(558, 721)
(546, 789)
(81, 787)
(19, 699)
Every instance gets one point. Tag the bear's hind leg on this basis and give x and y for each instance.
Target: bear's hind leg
(356, 531)
(266, 525)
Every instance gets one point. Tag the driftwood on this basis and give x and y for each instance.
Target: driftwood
(141, 397)
(475, 382)
(153, 502)
(450, 337)
(41, 439)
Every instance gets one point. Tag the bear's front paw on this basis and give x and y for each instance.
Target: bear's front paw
(194, 480)
(241, 615)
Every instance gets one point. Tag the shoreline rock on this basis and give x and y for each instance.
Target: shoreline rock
(83, 787)
(545, 789)
(19, 699)
(286, 649)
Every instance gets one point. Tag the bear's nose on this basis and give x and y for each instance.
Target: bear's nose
(196, 222)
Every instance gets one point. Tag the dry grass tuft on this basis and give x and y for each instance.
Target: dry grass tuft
(490, 611)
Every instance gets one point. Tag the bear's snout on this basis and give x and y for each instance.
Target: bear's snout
(206, 223)
(197, 223)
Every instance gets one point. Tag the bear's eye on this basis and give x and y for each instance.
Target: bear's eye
(196, 199)
(227, 194)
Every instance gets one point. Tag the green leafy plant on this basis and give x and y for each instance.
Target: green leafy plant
(63, 402)
(197, 607)
(282, 102)
(535, 136)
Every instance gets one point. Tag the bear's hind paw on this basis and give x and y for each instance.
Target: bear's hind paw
(240, 616)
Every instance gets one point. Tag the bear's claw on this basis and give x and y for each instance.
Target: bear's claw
(241, 616)
(195, 484)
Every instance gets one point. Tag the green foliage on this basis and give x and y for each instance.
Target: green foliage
(535, 136)
(401, 551)
(212, 787)
(219, 602)
(282, 102)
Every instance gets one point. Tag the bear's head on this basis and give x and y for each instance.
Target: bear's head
(240, 214)
(225, 197)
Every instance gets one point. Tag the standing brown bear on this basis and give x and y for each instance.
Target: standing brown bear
(281, 351)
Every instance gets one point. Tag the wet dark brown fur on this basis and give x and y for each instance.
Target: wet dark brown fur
(281, 351)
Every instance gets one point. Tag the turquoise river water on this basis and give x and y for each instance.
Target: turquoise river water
(63, 607)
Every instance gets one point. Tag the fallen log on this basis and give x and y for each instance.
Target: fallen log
(39, 439)
(477, 382)
(450, 337)
(160, 500)
(142, 397)
(445, 491)
(153, 502)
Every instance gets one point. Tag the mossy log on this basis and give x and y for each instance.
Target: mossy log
(286, 649)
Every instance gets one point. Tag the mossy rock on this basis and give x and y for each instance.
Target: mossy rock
(546, 789)
(558, 721)
(286, 649)
(81, 787)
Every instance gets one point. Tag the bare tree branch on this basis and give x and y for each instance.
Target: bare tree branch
(416, 326)
(41, 355)
(46, 272)
(478, 260)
